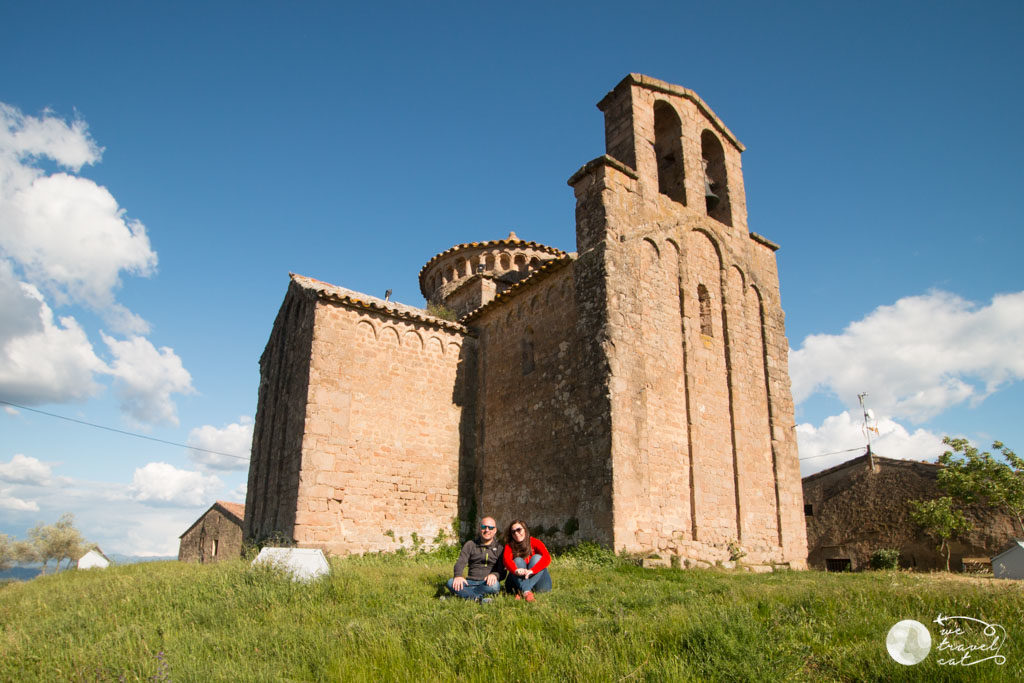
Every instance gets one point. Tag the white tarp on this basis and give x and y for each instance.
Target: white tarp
(304, 564)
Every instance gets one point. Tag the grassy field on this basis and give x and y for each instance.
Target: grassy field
(377, 618)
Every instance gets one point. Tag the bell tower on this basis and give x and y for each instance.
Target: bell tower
(684, 312)
(678, 147)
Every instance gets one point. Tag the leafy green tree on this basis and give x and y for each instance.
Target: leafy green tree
(983, 479)
(59, 541)
(6, 552)
(940, 520)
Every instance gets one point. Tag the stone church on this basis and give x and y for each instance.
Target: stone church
(634, 392)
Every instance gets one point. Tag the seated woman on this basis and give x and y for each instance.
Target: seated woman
(527, 560)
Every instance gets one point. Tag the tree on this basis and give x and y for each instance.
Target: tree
(981, 478)
(940, 520)
(59, 541)
(6, 552)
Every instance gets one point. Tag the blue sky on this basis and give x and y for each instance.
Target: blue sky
(164, 167)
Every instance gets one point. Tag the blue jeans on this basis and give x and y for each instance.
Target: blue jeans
(474, 589)
(539, 582)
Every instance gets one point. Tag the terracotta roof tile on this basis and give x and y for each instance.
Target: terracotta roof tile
(541, 273)
(512, 240)
(237, 509)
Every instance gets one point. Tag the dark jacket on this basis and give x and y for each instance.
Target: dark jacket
(482, 559)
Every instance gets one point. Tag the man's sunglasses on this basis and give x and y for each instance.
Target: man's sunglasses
(484, 526)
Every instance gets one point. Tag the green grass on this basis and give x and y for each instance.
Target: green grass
(377, 618)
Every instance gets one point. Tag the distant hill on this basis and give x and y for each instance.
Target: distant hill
(20, 573)
(32, 571)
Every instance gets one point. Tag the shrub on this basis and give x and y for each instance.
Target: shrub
(885, 558)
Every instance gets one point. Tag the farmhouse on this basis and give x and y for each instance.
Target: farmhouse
(634, 392)
(861, 506)
(216, 535)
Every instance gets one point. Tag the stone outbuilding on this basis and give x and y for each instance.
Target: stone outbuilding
(1009, 564)
(862, 505)
(94, 559)
(634, 392)
(215, 536)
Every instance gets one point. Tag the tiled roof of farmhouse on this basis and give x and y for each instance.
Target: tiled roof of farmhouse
(864, 458)
(356, 299)
(511, 241)
(547, 268)
(237, 509)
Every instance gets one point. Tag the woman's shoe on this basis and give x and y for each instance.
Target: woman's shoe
(518, 596)
(529, 596)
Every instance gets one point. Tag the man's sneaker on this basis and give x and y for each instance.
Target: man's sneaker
(484, 601)
(442, 597)
(529, 596)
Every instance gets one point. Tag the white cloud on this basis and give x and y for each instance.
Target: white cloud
(145, 378)
(41, 360)
(844, 432)
(238, 493)
(9, 502)
(67, 233)
(25, 470)
(159, 483)
(235, 439)
(917, 357)
(67, 237)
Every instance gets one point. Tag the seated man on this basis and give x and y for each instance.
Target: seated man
(483, 556)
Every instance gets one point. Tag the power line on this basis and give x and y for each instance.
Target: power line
(822, 455)
(121, 431)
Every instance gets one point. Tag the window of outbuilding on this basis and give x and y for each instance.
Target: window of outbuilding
(808, 510)
(839, 564)
(668, 150)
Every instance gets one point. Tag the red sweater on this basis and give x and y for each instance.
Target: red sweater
(538, 548)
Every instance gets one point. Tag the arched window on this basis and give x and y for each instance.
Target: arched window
(705, 310)
(520, 262)
(506, 262)
(716, 181)
(668, 150)
(489, 262)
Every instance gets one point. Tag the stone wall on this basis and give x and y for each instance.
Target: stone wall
(382, 447)
(856, 510)
(532, 464)
(276, 456)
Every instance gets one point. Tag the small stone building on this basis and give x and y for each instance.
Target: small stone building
(861, 505)
(215, 536)
(634, 392)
